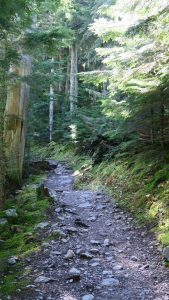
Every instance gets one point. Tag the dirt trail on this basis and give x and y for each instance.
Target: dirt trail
(96, 251)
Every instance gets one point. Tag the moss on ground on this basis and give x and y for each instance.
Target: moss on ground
(61, 153)
(18, 237)
(139, 183)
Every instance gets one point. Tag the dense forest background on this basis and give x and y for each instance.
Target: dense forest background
(95, 76)
(83, 78)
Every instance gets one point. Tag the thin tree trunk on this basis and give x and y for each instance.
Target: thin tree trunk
(73, 80)
(67, 84)
(162, 113)
(152, 125)
(51, 108)
(60, 85)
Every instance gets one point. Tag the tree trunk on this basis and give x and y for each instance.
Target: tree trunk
(2, 156)
(67, 83)
(162, 114)
(73, 80)
(152, 126)
(15, 119)
(60, 84)
(51, 108)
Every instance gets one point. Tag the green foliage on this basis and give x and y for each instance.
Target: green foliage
(131, 54)
(54, 38)
(12, 283)
(19, 236)
(160, 176)
(9, 9)
(61, 152)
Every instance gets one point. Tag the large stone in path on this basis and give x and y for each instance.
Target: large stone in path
(71, 230)
(110, 282)
(74, 274)
(70, 254)
(94, 242)
(43, 279)
(86, 255)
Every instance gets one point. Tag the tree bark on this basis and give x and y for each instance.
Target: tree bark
(67, 83)
(152, 126)
(51, 108)
(73, 80)
(15, 119)
(162, 114)
(60, 84)
(2, 156)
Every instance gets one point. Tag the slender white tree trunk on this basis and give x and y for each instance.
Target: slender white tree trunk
(60, 84)
(51, 108)
(73, 80)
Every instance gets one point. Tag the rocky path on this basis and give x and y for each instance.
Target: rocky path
(94, 252)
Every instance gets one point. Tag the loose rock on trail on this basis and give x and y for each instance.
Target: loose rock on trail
(95, 250)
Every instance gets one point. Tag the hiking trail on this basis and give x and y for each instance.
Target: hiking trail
(95, 250)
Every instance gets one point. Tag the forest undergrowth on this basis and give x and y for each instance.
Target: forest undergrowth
(138, 183)
(18, 237)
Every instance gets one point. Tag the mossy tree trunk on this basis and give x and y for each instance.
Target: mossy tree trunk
(15, 119)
